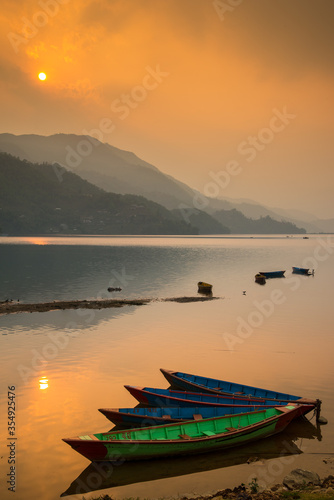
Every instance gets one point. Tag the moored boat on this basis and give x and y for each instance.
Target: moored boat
(302, 270)
(204, 287)
(272, 274)
(200, 436)
(137, 417)
(260, 278)
(170, 467)
(165, 397)
(197, 383)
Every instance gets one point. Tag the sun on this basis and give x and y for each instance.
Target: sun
(42, 76)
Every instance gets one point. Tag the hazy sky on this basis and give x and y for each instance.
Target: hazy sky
(233, 97)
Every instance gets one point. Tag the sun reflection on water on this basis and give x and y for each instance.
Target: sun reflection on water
(43, 383)
(37, 240)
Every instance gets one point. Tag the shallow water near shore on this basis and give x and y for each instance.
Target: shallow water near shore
(65, 365)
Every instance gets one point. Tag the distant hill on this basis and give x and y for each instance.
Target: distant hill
(122, 172)
(324, 225)
(238, 223)
(299, 218)
(205, 223)
(33, 201)
(107, 167)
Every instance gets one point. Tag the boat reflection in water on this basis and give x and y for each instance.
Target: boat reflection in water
(102, 475)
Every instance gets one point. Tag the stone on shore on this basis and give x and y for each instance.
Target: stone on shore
(299, 478)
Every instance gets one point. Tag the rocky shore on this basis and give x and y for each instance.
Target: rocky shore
(299, 484)
(10, 307)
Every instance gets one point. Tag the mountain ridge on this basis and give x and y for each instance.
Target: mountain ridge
(123, 172)
(33, 201)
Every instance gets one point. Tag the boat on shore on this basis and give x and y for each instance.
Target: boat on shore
(197, 383)
(142, 417)
(285, 444)
(151, 396)
(195, 437)
(272, 274)
(303, 270)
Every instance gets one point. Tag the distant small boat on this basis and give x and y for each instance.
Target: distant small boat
(272, 274)
(204, 287)
(302, 270)
(187, 438)
(260, 278)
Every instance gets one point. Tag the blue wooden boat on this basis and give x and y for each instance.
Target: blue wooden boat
(272, 274)
(197, 383)
(165, 397)
(302, 270)
(142, 417)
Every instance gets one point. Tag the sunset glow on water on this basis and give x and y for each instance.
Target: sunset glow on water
(146, 147)
(67, 364)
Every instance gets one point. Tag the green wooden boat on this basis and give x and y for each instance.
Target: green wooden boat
(199, 436)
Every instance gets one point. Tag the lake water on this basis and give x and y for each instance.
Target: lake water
(65, 365)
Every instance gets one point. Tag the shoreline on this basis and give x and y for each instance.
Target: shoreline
(10, 307)
(298, 484)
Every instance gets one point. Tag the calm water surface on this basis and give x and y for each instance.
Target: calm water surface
(66, 364)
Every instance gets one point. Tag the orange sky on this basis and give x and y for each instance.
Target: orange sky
(190, 85)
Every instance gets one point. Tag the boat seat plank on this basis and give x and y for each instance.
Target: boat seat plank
(209, 433)
(184, 436)
(167, 417)
(231, 429)
(285, 409)
(89, 437)
(197, 416)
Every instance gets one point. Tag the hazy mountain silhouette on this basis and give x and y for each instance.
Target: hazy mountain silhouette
(122, 172)
(264, 225)
(299, 218)
(110, 168)
(33, 201)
